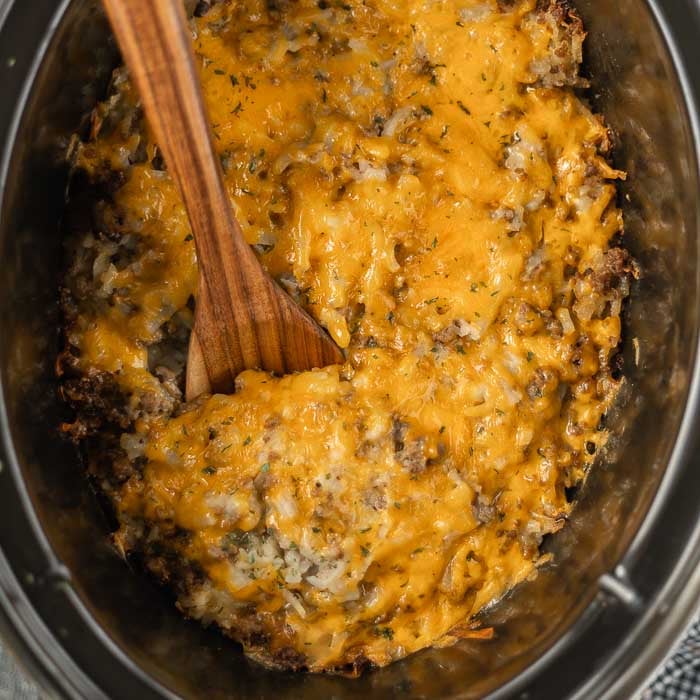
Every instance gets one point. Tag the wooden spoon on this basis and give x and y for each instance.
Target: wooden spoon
(243, 320)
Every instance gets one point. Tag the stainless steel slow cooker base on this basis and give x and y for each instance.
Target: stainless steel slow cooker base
(626, 576)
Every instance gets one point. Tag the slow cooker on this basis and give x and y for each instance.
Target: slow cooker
(625, 578)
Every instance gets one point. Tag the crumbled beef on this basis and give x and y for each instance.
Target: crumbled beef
(484, 510)
(412, 456)
(399, 429)
(446, 335)
(513, 218)
(409, 453)
(617, 263)
(552, 325)
(560, 67)
(527, 318)
(601, 288)
(154, 403)
(289, 658)
(122, 468)
(375, 498)
(458, 328)
(544, 382)
(98, 401)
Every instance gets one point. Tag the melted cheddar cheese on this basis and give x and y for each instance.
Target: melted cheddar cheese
(404, 169)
